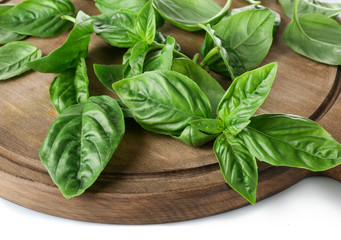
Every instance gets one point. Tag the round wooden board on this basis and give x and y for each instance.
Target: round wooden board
(152, 178)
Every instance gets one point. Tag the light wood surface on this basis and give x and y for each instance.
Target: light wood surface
(152, 178)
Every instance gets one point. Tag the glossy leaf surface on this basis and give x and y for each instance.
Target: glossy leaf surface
(67, 55)
(109, 74)
(211, 126)
(238, 166)
(145, 25)
(193, 137)
(106, 6)
(14, 58)
(245, 95)
(70, 88)
(136, 59)
(7, 36)
(288, 140)
(163, 101)
(80, 143)
(38, 18)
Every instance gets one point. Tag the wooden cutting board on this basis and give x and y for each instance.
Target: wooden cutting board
(152, 178)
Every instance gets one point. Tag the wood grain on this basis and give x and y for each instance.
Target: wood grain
(152, 178)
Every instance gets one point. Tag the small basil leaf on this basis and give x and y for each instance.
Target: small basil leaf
(211, 126)
(206, 83)
(14, 58)
(188, 14)
(163, 101)
(113, 27)
(248, 33)
(293, 141)
(38, 18)
(245, 95)
(109, 74)
(67, 55)
(80, 143)
(145, 25)
(152, 61)
(136, 59)
(238, 166)
(277, 23)
(193, 137)
(7, 36)
(328, 8)
(160, 38)
(70, 88)
(315, 36)
(107, 6)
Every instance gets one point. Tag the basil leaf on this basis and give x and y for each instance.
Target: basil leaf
(67, 55)
(188, 14)
(315, 36)
(193, 137)
(70, 88)
(38, 18)
(277, 22)
(109, 74)
(211, 88)
(7, 36)
(113, 27)
(151, 62)
(80, 143)
(136, 59)
(245, 95)
(248, 33)
(211, 126)
(14, 58)
(238, 166)
(328, 8)
(160, 38)
(107, 6)
(293, 141)
(145, 25)
(163, 101)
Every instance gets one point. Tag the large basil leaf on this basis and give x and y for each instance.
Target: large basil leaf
(70, 88)
(135, 63)
(14, 58)
(113, 27)
(245, 95)
(328, 8)
(109, 74)
(194, 137)
(7, 36)
(315, 36)
(80, 143)
(248, 33)
(206, 83)
(188, 14)
(106, 6)
(288, 140)
(238, 166)
(163, 101)
(67, 55)
(145, 25)
(38, 18)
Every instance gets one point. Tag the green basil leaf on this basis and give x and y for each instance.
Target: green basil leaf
(160, 38)
(211, 88)
(107, 6)
(211, 126)
(248, 33)
(245, 95)
(80, 143)
(136, 59)
(38, 18)
(193, 137)
(75, 47)
(113, 27)
(109, 74)
(238, 166)
(328, 8)
(7, 36)
(315, 36)
(14, 58)
(145, 25)
(188, 14)
(163, 101)
(70, 88)
(277, 23)
(227, 62)
(293, 141)
(151, 62)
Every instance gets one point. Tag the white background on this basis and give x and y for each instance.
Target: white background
(311, 209)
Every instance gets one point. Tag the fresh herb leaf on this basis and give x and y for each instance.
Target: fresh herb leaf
(193, 137)
(80, 143)
(134, 66)
(211, 126)
(145, 25)
(14, 58)
(7, 36)
(109, 74)
(107, 6)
